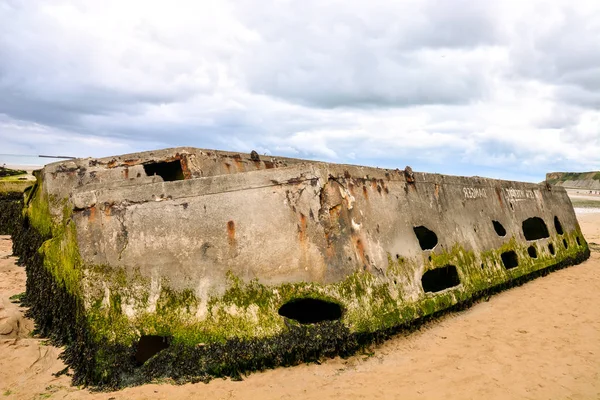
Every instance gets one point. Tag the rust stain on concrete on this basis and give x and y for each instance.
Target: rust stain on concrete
(231, 233)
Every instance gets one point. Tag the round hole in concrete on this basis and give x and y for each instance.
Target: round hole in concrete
(532, 252)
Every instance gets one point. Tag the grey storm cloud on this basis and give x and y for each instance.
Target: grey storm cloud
(445, 85)
(565, 53)
(377, 54)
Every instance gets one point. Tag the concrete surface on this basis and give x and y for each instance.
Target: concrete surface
(210, 245)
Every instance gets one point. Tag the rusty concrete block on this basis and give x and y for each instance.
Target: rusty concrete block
(189, 248)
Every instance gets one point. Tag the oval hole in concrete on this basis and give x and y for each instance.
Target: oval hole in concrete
(565, 243)
(551, 248)
(578, 241)
(558, 226)
(427, 238)
(500, 231)
(532, 252)
(311, 311)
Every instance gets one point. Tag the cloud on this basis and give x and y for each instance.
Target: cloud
(18, 137)
(383, 53)
(505, 90)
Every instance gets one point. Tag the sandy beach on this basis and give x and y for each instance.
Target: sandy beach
(537, 341)
(585, 201)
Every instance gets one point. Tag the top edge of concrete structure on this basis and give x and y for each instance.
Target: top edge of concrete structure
(160, 154)
(236, 158)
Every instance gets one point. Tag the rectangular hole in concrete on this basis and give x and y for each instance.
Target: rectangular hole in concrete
(311, 311)
(168, 171)
(436, 280)
(510, 259)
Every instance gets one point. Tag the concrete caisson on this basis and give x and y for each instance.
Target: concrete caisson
(176, 257)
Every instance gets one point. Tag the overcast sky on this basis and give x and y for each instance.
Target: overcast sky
(501, 89)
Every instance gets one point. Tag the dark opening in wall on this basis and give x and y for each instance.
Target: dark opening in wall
(558, 226)
(169, 171)
(551, 248)
(149, 346)
(565, 243)
(578, 241)
(535, 228)
(311, 311)
(427, 238)
(438, 279)
(532, 251)
(510, 259)
(499, 228)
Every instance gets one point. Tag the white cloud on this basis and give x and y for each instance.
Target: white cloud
(506, 90)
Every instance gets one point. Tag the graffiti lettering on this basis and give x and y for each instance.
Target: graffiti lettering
(474, 193)
(519, 193)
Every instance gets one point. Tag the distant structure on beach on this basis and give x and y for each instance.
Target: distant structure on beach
(189, 264)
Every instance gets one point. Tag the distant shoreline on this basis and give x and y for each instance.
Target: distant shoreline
(24, 167)
(584, 202)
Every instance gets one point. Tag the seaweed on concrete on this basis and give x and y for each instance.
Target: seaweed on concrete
(11, 205)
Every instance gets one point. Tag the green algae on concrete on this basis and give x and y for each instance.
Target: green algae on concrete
(248, 310)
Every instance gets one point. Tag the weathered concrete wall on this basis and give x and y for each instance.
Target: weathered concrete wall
(63, 177)
(233, 241)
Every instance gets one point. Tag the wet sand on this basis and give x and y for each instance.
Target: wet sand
(584, 201)
(537, 341)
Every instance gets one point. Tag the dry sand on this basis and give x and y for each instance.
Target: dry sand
(537, 341)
